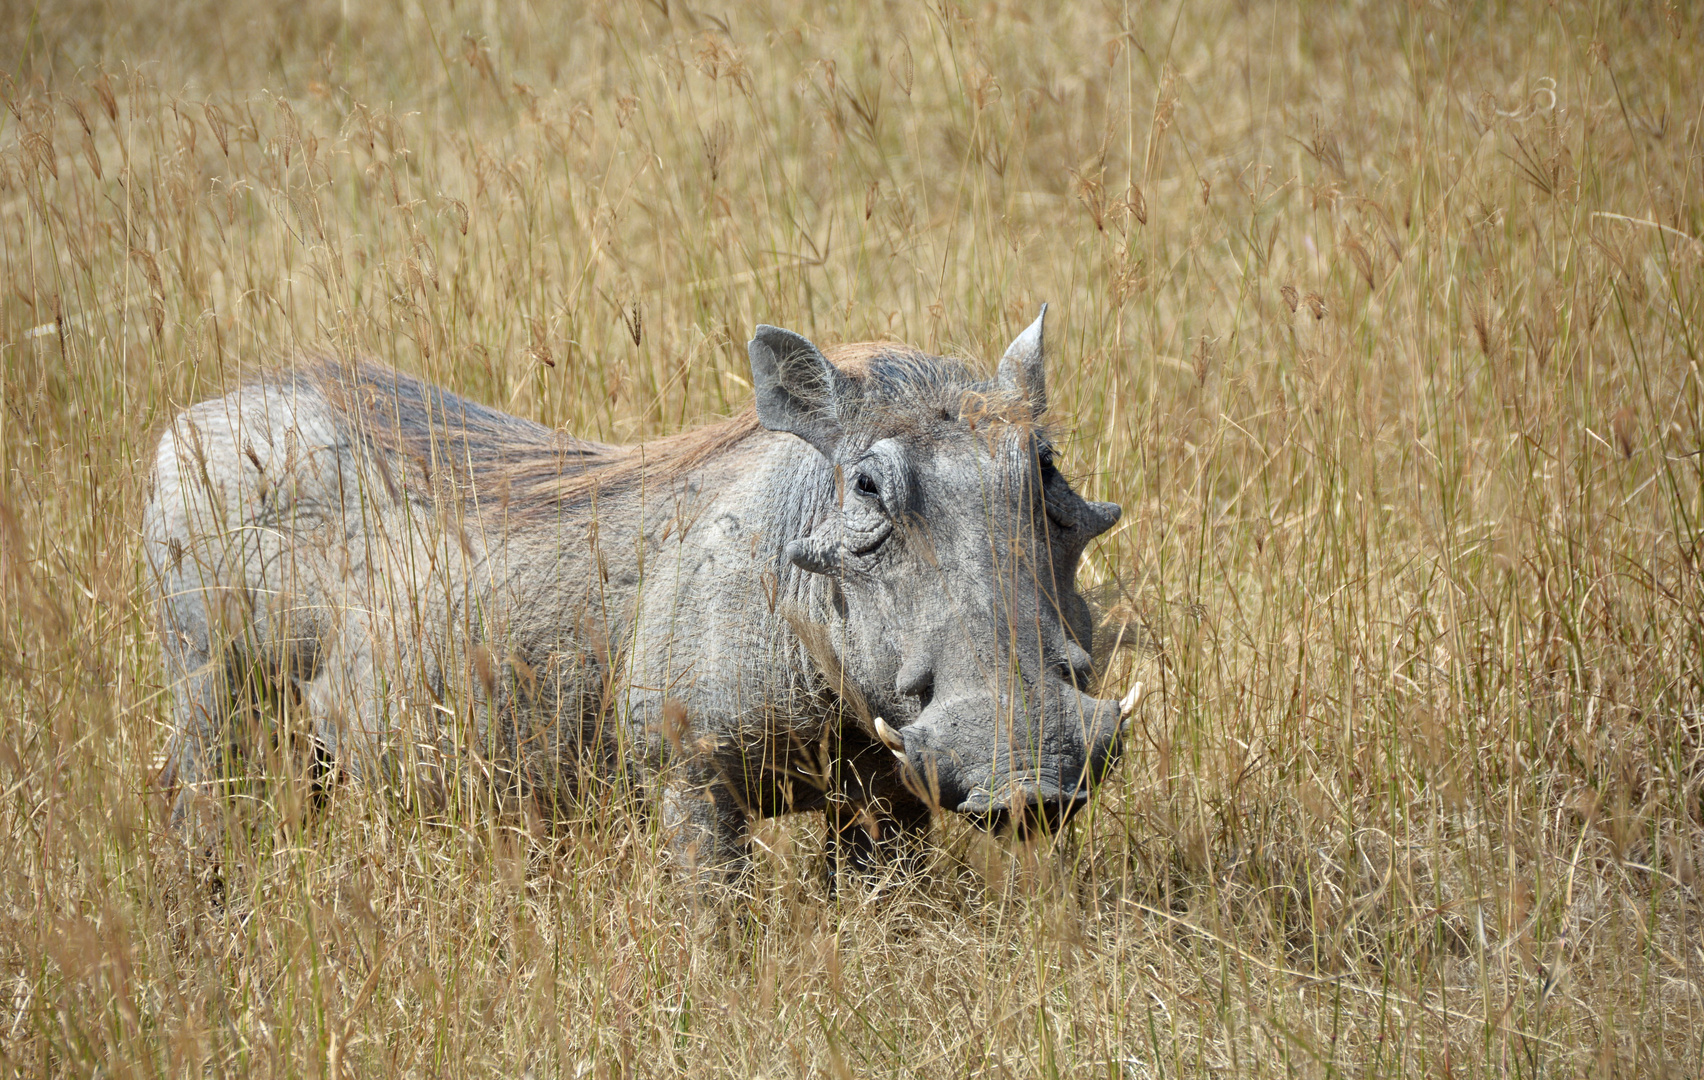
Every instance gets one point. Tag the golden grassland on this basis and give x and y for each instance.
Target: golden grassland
(1382, 321)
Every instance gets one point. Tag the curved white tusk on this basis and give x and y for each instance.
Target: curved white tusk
(890, 738)
(1127, 704)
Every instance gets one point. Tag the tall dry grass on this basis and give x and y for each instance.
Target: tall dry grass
(1382, 322)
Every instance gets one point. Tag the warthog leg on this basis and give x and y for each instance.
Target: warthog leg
(874, 841)
(201, 697)
(705, 831)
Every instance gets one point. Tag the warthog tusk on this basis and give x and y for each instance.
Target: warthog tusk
(890, 738)
(1127, 704)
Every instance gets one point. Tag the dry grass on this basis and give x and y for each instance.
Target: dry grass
(1383, 324)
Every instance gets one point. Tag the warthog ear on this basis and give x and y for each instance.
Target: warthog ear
(798, 390)
(1022, 369)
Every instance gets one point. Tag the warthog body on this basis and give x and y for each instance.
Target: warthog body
(720, 617)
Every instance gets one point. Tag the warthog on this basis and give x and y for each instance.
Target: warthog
(856, 597)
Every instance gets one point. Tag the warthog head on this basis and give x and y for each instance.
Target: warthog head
(951, 553)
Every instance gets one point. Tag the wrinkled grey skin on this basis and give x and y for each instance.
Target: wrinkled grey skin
(719, 628)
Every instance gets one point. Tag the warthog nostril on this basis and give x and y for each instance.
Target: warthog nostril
(1079, 676)
(1082, 666)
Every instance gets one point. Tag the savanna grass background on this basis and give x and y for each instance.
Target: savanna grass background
(1382, 321)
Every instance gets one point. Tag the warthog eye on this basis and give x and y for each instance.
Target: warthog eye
(872, 495)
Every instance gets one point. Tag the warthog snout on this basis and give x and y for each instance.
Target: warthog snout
(1034, 773)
